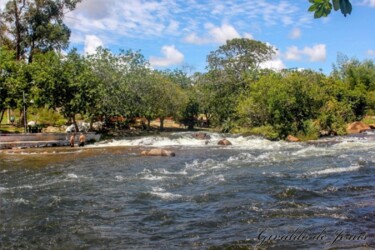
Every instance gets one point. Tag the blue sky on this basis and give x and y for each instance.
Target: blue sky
(180, 33)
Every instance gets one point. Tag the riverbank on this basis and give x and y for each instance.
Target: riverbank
(40, 140)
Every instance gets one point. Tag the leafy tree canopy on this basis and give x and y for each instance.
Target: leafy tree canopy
(35, 26)
(323, 8)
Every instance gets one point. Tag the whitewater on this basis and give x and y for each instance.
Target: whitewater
(254, 193)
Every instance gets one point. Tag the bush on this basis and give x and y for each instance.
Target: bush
(310, 131)
(47, 117)
(267, 131)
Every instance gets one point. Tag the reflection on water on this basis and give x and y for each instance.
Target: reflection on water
(255, 193)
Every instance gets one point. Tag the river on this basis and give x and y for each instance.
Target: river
(252, 194)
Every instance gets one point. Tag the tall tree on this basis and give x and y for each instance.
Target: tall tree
(13, 80)
(238, 56)
(228, 67)
(160, 97)
(67, 83)
(120, 78)
(35, 26)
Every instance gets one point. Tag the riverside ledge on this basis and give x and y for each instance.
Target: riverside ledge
(39, 140)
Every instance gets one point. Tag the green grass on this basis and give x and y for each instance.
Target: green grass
(369, 120)
(11, 129)
(41, 115)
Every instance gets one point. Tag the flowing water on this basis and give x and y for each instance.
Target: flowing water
(252, 194)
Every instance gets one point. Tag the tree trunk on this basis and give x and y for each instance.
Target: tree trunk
(17, 23)
(23, 119)
(148, 124)
(75, 123)
(191, 126)
(8, 121)
(2, 115)
(18, 31)
(161, 128)
(208, 117)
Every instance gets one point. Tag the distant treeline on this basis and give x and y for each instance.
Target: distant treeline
(235, 94)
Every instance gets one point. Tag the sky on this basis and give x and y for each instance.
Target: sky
(181, 33)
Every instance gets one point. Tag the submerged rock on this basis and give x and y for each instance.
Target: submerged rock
(201, 136)
(224, 142)
(158, 152)
(292, 138)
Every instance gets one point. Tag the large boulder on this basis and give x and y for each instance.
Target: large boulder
(158, 152)
(292, 138)
(357, 127)
(224, 142)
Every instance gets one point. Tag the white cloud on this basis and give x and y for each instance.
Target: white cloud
(371, 3)
(2, 4)
(223, 33)
(276, 63)
(370, 52)
(216, 34)
(172, 56)
(295, 33)
(293, 54)
(95, 9)
(115, 20)
(194, 39)
(248, 36)
(91, 43)
(317, 53)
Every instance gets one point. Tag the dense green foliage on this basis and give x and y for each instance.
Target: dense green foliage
(323, 8)
(32, 26)
(235, 94)
(275, 104)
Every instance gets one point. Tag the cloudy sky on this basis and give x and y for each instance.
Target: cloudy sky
(177, 33)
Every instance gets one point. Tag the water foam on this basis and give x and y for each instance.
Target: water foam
(163, 194)
(207, 164)
(329, 171)
(187, 139)
(149, 175)
(21, 201)
(119, 178)
(72, 176)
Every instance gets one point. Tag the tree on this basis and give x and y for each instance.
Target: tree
(323, 8)
(360, 80)
(66, 83)
(228, 68)
(285, 101)
(13, 81)
(239, 56)
(35, 26)
(204, 96)
(160, 98)
(120, 79)
(179, 77)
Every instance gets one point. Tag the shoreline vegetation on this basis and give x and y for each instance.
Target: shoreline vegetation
(170, 126)
(43, 85)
